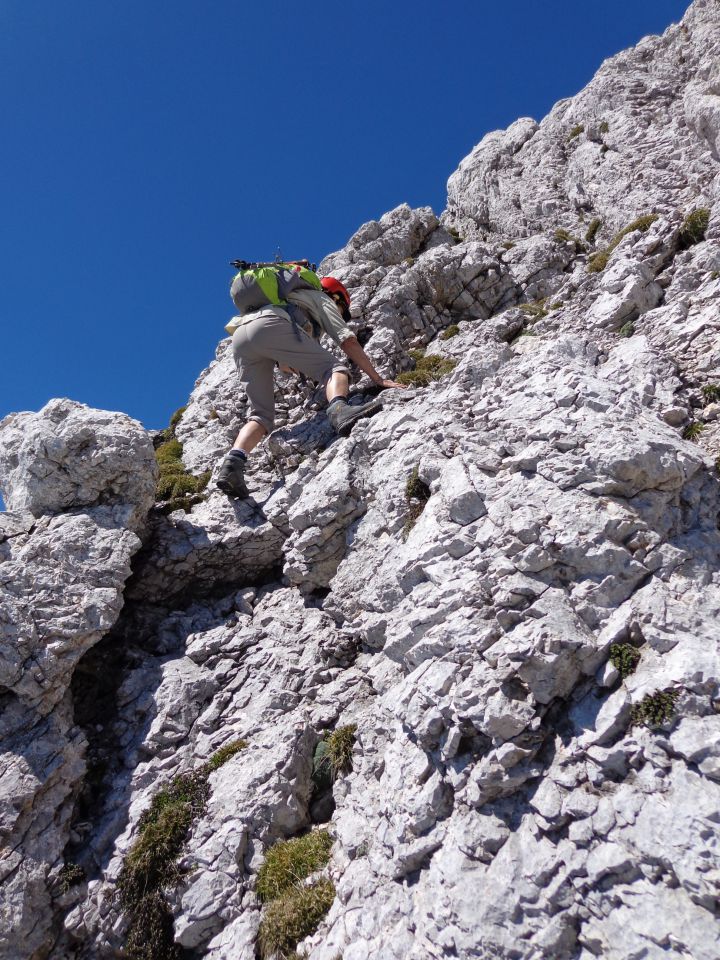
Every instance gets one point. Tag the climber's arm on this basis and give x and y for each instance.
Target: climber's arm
(351, 347)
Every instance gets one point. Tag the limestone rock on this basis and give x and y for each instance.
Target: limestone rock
(504, 585)
(68, 456)
(62, 576)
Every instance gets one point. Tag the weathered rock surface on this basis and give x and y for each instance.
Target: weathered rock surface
(61, 580)
(642, 136)
(68, 456)
(525, 637)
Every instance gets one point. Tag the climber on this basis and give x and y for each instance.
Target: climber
(272, 334)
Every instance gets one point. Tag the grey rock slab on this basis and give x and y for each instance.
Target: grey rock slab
(69, 456)
(500, 800)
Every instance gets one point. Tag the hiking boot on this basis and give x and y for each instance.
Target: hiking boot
(343, 417)
(231, 476)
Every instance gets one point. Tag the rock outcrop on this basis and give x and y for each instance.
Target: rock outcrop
(503, 589)
(78, 484)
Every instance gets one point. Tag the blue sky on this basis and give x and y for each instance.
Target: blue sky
(147, 143)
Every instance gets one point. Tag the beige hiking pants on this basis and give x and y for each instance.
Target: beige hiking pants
(268, 338)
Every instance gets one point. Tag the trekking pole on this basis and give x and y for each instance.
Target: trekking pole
(254, 264)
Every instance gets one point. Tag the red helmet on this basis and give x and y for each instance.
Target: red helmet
(331, 285)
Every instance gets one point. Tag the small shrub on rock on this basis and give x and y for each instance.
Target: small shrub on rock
(169, 452)
(627, 329)
(604, 127)
(694, 227)
(576, 131)
(711, 392)
(625, 658)
(69, 876)
(655, 708)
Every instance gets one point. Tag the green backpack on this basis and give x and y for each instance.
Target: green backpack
(257, 285)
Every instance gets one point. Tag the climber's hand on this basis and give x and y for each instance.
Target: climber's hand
(387, 384)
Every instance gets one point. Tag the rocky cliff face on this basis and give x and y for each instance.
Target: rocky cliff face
(501, 593)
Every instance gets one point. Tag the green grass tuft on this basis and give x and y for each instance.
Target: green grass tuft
(169, 452)
(598, 261)
(535, 310)
(452, 331)
(222, 755)
(289, 862)
(711, 392)
(694, 227)
(293, 917)
(151, 935)
(624, 658)
(576, 131)
(415, 488)
(562, 236)
(507, 244)
(176, 488)
(177, 417)
(655, 708)
(340, 747)
(151, 865)
(592, 230)
(427, 369)
(417, 494)
(627, 329)
(693, 430)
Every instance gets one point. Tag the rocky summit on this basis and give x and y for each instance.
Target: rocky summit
(448, 687)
